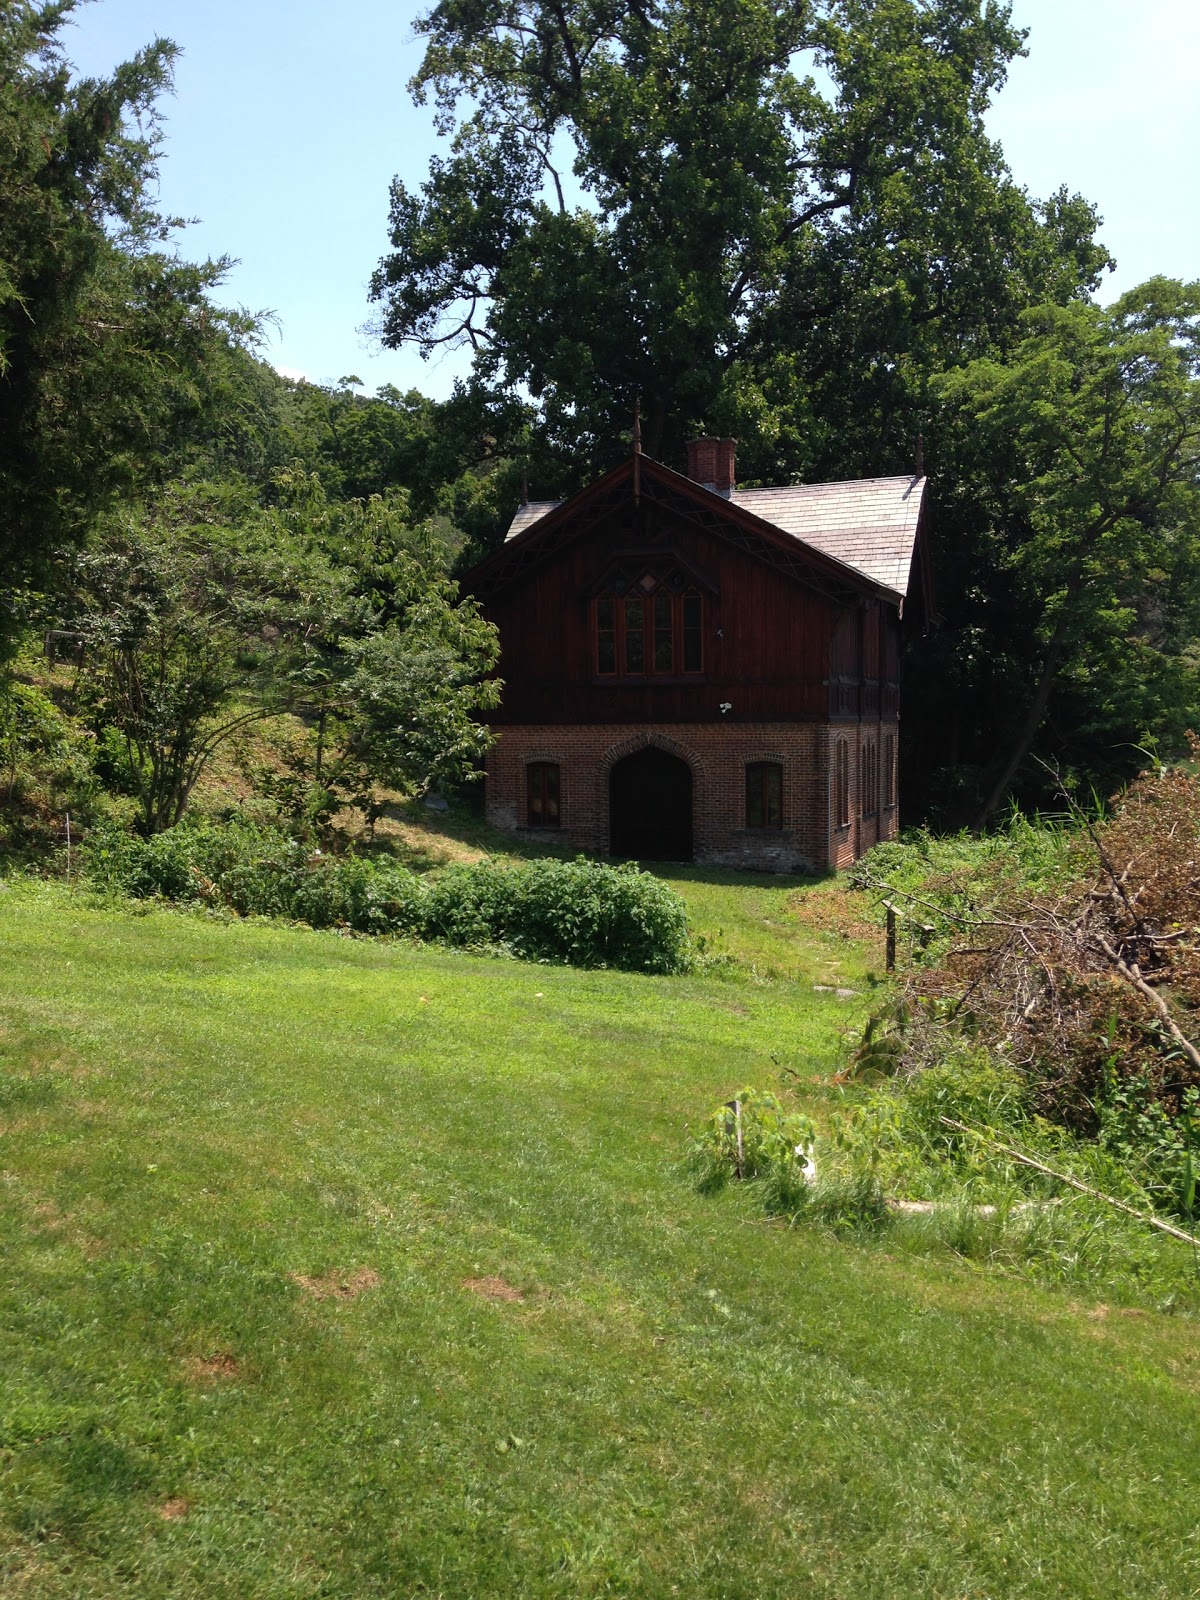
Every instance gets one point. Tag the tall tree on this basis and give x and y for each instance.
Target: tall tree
(105, 334)
(1081, 452)
(202, 613)
(775, 217)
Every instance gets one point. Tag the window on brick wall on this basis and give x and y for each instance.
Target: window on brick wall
(870, 778)
(841, 784)
(543, 788)
(764, 794)
(654, 628)
(889, 771)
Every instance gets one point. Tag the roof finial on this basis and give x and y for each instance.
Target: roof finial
(920, 455)
(637, 447)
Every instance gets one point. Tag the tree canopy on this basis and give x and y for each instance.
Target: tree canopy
(1080, 455)
(108, 339)
(769, 217)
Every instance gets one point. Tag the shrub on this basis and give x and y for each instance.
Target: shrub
(896, 1129)
(574, 911)
(580, 911)
(753, 1136)
(1071, 947)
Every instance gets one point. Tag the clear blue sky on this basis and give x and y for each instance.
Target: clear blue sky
(290, 119)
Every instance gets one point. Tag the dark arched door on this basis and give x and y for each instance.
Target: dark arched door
(650, 807)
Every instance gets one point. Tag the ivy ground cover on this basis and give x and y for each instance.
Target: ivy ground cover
(333, 1268)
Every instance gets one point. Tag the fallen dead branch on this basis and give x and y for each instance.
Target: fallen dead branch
(1131, 974)
(1074, 1183)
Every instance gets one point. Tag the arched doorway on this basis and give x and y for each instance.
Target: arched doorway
(650, 807)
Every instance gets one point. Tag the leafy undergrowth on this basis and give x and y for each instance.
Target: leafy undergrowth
(342, 1268)
(934, 1163)
(581, 911)
(744, 927)
(747, 926)
(1068, 958)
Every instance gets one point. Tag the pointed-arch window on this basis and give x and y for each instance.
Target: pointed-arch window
(654, 627)
(889, 771)
(870, 778)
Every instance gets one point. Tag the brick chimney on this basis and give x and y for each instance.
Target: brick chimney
(711, 462)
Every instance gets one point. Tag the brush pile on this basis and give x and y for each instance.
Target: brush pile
(1088, 983)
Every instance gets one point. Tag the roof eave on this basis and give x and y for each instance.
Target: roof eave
(781, 539)
(709, 500)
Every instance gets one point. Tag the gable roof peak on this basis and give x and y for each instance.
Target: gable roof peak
(868, 525)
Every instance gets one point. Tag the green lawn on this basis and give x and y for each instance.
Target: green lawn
(527, 1359)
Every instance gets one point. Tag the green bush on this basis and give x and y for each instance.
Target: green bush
(896, 1129)
(1136, 1129)
(578, 912)
(754, 1136)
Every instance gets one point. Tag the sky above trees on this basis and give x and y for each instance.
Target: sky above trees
(288, 125)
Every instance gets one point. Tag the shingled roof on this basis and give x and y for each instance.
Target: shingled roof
(868, 524)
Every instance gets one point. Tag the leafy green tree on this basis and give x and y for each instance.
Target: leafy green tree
(460, 460)
(209, 613)
(159, 617)
(1081, 452)
(747, 245)
(106, 336)
(373, 643)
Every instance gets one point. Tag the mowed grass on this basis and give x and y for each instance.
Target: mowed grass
(345, 1269)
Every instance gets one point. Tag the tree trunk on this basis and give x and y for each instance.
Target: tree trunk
(1030, 726)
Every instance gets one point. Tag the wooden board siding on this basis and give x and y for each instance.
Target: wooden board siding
(766, 638)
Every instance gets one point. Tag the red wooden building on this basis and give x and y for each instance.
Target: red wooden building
(695, 671)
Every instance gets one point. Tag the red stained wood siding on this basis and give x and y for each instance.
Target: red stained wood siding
(766, 637)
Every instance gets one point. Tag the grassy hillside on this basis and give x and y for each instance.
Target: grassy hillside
(346, 1269)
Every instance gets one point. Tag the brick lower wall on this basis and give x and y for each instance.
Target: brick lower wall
(717, 755)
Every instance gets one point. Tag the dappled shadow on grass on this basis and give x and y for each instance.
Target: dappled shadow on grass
(425, 840)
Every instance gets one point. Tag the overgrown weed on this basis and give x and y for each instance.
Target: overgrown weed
(888, 1166)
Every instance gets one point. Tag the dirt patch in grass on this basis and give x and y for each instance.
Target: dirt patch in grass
(211, 1369)
(493, 1288)
(173, 1510)
(338, 1285)
(845, 912)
